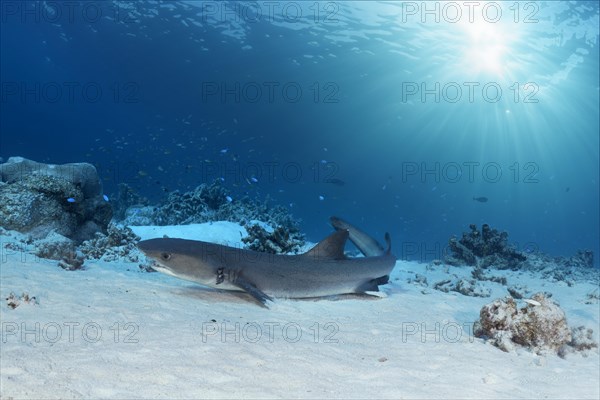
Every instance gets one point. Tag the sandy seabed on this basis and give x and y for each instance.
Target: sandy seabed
(111, 331)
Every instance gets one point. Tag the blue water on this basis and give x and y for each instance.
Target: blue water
(356, 109)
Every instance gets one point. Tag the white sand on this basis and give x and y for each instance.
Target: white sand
(113, 332)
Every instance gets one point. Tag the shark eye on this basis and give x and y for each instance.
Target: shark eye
(165, 256)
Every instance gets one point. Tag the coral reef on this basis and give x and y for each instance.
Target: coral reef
(483, 249)
(200, 205)
(489, 248)
(62, 210)
(276, 241)
(540, 326)
(38, 198)
(207, 203)
(118, 244)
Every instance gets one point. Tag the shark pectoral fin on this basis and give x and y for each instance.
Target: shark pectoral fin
(332, 247)
(253, 291)
(373, 285)
(378, 294)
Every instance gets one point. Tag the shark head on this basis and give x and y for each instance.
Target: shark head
(184, 259)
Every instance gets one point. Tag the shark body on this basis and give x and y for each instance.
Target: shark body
(322, 271)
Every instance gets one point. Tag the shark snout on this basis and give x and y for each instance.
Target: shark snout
(156, 250)
(147, 245)
(150, 247)
(143, 245)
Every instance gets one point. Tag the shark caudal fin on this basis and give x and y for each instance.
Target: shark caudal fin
(388, 241)
(368, 246)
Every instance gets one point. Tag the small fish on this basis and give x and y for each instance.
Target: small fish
(105, 197)
(229, 199)
(321, 198)
(71, 200)
(253, 179)
(481, 199)
(225, 150)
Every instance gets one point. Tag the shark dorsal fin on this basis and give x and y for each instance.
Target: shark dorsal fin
(332, 247)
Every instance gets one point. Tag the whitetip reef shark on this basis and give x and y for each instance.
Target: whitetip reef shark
(322, 271)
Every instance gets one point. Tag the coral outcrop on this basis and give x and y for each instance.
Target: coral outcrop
(38, 198)
(483, 249)
(540, 326)
(82, 175)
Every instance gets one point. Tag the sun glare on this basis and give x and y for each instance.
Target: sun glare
(485, 47)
